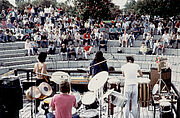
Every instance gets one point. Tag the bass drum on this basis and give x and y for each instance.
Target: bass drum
(90, 113)
(33, 93)
(90, 101)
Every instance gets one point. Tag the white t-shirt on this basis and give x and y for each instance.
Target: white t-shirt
(130, 71)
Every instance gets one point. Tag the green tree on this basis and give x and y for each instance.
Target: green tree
(97, 9)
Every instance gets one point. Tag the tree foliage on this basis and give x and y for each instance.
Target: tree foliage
(162, 8)
(96, 9)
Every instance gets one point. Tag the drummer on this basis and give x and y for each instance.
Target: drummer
(40, 68)
(63, 103)
(100, 67)
(130, 71)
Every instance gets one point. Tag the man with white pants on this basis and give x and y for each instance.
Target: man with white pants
(130, 71)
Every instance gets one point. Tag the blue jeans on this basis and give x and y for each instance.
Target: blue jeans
(51, 115)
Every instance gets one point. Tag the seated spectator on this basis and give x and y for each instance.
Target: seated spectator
(79, 52)
(87, 50)
(2, 36)
(136, 31)
(70, 38)
(71, 51)
(102, 44)
(51, 48)
(44, 40)
(105, 36)
(172, 39)
(63, 52)
(131, 39)
(86, 38)
(160, 50)
(160, 28)
(146, 31)
(112, 33)
(125, 38)
(28, 47)
(143, 49)
(8, 36)
(149, 41)
(37, 38)
(94, 39)
(166, 38)
(155, 47)
(178, 40)
(120, 40)
(152, 28)
(77, 37)
(35, 47)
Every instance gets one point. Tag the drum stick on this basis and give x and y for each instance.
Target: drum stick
(97, 63)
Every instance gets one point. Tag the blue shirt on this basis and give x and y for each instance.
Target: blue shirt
(98, 68)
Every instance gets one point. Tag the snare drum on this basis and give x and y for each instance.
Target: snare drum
(78, 98)
(90, 113)
(90, 101)
(33, 93)
(114, 83)
(143, 91)
(45, 90)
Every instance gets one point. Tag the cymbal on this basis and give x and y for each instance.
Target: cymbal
(60, 76)
(98, 81)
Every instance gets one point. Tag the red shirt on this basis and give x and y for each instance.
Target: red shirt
(86, 48)
(85, 36)
(63, 103)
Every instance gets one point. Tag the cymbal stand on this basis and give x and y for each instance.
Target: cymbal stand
(99, 94)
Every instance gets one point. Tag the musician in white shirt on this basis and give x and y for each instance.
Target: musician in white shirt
(130, 71)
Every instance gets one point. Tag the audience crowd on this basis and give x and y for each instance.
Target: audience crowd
(52, 28)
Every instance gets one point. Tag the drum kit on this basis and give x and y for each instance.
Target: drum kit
(96, 101)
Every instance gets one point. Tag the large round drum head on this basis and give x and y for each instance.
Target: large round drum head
(98, 81)
(90, 113)
(60, 76)
(45, 89)
(88, 98)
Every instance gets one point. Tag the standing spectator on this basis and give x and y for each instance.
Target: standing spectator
(86, 38)
(102, 44)
(79, 52)
(172, 39)
(160, 28)
(136, 31)
(71, 51)
(3, 19)
(87, 50)
(28, 47)
(63, 52)
(37, 38)
(143, 49)
(160, 49)
(146, 31)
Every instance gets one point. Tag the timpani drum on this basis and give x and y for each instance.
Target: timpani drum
(90, 101)
(90, 113)
(143, 91)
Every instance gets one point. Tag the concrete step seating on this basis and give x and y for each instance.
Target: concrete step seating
(13, 55)
(12, 63)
